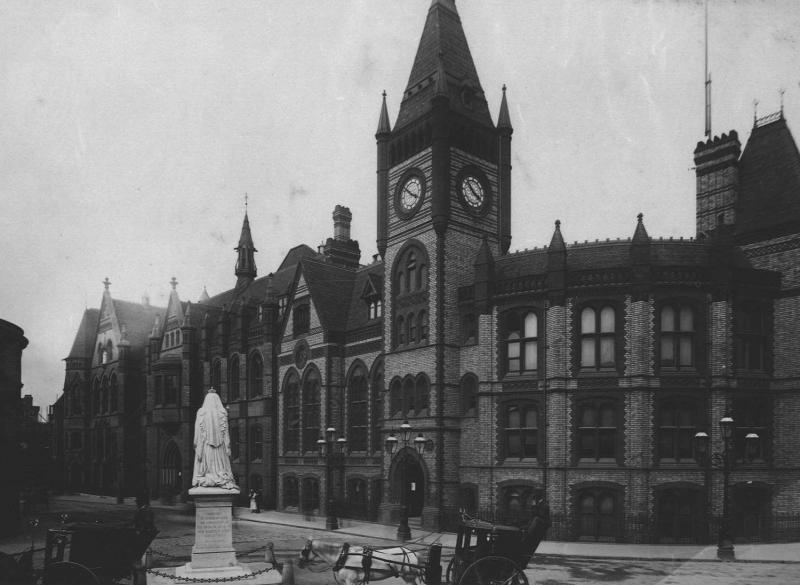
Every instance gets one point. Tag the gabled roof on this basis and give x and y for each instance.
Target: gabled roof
(138, 321)
(769, 179)
(443, 48)
(368, 278)
(329, 286)
(295, 255)
(83, 346)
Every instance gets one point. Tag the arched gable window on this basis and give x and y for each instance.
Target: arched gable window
(598, 337)
(358, 402)
(312, 410)
(109, 351)
(216, 375)
(233, 378)
(255, 376)
(291, 413)
(410, 291)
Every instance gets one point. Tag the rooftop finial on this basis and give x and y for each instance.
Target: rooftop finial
(640, 217)
(106, 283)
(755, 111)
(781, 91)
(558, 224)
(174, 283)
(707, 80)
(245, 202)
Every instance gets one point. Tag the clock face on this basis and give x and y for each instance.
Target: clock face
(410, 194)
(472, 191)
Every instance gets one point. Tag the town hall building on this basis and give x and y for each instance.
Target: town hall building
(580, 372)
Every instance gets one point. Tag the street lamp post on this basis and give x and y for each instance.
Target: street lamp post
(332, 450)
(403, 530)
(726, 461)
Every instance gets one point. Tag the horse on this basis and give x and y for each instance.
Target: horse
(350, 563)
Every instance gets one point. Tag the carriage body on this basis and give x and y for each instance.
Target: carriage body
(82, 552)
(489, 554)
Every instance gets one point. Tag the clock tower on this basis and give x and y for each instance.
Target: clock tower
(444, 197)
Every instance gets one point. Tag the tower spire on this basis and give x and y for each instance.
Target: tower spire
(245, 262)
(707, 79)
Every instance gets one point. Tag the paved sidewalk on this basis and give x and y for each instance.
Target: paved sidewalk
(782, 553)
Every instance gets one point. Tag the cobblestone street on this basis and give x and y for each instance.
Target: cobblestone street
(173, 545)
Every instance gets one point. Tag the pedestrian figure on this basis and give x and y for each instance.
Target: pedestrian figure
(255, 508)
(537, 527)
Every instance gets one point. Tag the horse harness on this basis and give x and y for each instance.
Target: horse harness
(366, 562)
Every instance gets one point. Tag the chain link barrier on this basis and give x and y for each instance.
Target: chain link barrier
(252, 575)
(164, 555)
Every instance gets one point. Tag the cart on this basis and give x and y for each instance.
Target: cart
(490, 554)
(83, 553)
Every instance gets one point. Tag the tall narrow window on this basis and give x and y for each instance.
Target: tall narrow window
(114, 395)
(522, 341)
(598, 338)
(234, 432)
(378, 396)
(676, 429)
(291, 414)
(255, 376)
(597, 431)
(171, 389)
(410, 291)
(233, 378)
(521, 432)
(422, 395)
(751, 339)
(256, 443)
(291, 492)
(301, 319)
(216, 375)
(396, 398)
(469, 395)
(358, 421)
(311, 410)
(677, 337)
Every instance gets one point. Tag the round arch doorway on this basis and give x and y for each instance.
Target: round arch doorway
(410, 477)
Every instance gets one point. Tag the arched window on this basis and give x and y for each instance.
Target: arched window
(291, 492)
(255, 376)
(378, 397)
(422, 395)
(679, 515)
(233, 377)
(114, 394)
(171, 467)
(410, 290)
(409, 395)
(517, 502)
(291, 413)
(469, 395)
(109, 351)
(597, 515)
(104, 406)
(216, 375)
(396, 398)
(598, 337)
(256, 447)
(521, 430)
(677, 337)
(312, 410)
(522, 341)
(358, 420)
(597, 430)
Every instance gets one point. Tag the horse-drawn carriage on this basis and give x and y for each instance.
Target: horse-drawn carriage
(485, 554)
(84, 553)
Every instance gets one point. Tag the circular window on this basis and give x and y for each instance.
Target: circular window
(300, 355)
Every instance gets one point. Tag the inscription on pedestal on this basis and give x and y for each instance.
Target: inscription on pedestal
(213, 529)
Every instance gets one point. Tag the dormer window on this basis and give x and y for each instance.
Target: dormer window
(375, 308)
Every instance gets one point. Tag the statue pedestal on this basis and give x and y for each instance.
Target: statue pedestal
(213, 554)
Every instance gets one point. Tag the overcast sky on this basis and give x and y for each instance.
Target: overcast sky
(130, 130)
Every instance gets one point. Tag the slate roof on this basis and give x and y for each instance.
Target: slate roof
(443, 38)
(769, 178)
(357, 315)
(138, 320)
(331, 288)
(83, 346)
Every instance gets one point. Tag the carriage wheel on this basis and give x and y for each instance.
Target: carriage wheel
(493, 570)
(68, 573)
(454, 570)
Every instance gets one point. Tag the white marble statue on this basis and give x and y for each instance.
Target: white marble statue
(212, 446)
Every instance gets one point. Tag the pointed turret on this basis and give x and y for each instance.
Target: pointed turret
(383, 135)
(204, 296)
(640, 258)
(557, 267)
(504, 131)
(246, 262)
